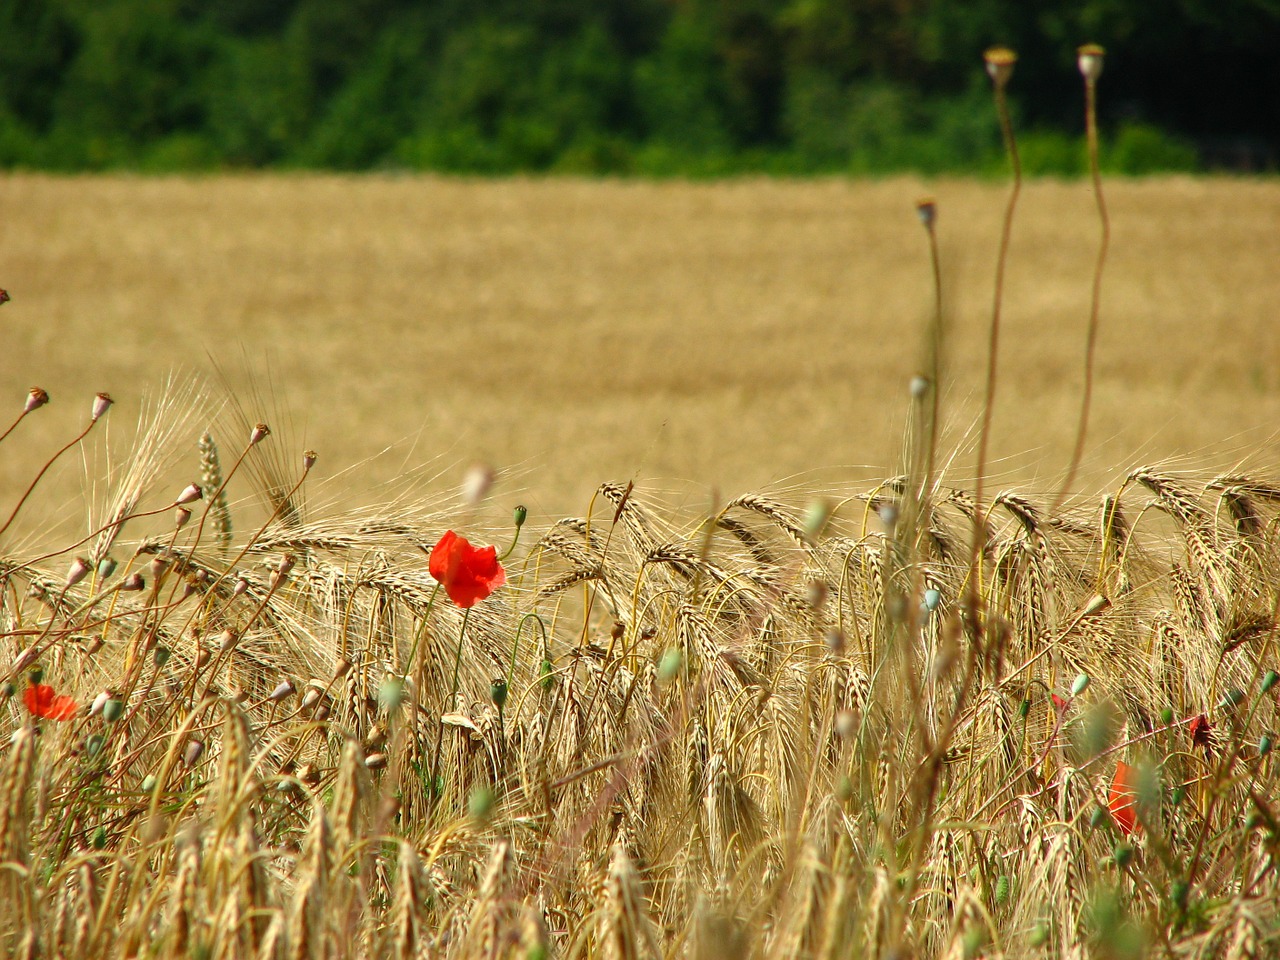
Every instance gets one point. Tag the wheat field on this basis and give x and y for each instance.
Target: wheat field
(732, 336)
(808, 688)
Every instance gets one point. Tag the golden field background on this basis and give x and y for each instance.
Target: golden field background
(734, 335)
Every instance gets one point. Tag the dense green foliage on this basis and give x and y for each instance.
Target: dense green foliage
(643, 86)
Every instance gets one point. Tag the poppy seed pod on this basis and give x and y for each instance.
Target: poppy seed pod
(1000, 61)
(134, 582)
(308, 459)
(498, 692)
(260, 432)
(106, 567)
(1089, 59)
(36, 398)
(927, 211)
(520, 515)
(180, 517)
(112, 710)
(284, 689)
(192, 754)
(79, 570)
(101, 404)
(190, 493)
(99, 702)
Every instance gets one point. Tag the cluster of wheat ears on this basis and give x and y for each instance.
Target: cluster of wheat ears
(914, 720)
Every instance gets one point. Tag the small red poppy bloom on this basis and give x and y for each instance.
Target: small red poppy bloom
(1123, 800)
(1199, 727)
(469, 574)
(43, 702)
(1061, 704)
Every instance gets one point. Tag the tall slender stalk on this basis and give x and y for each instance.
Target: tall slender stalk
(1090, 62)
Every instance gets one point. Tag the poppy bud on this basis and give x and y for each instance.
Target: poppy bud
(79, 570)
(36, 398)
(160, 656)
(670, 665)
(547, 675)
(1123, 855)
(192, 754)
(133, 582)
(1166, 716)
(1000, 61)
(101, 404)
(260, 432)
(520, 514)
(1089, 59)
(1024, 709)
(1231, 698)
(112, 710)
(498, 692)
(480, 803)
(106, 567)
(391, 694)
(1179, 892)
(190, 493)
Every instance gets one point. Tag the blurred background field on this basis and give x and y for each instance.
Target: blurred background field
(719, 337)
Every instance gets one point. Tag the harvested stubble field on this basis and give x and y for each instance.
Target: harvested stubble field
(812, 722)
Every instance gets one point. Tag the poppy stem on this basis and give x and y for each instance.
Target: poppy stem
(453, 701)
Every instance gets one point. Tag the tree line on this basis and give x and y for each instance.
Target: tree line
(656, 87)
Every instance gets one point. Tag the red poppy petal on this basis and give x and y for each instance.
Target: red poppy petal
(442, 556)
(43, 702)
(1122, 801)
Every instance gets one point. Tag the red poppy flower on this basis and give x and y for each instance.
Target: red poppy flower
(43, 702)
(1123, 800)
(469, 574)
(1200, 728)
(1061, 704)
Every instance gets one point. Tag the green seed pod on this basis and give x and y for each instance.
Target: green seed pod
(498, 692)
(1024, 709)
(1264, 745)
(670, 665)
(1098, 817)
(95, 744)
(7, 690)
(1177, 796)
(1123, 855)
(1178, 893)
(1002, 889)
(1269, 680)
(160, 655)
(1232, 698)
(844, 789)
(1080, 685)
(106, 567)
(1166, 716)
(1039, 935)
(520, 515)
(148, 783)
(112, 710)
(480, 803)
(1252, 821)
(391, 694)
(35, 675)
(99, 839)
